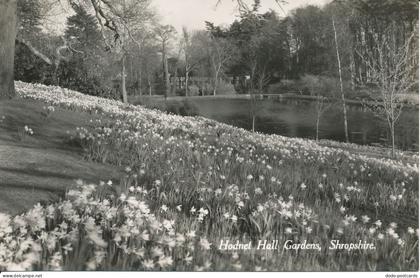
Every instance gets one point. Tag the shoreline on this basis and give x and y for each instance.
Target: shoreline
(274, 97)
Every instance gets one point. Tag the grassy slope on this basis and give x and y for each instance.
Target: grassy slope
(50, 136)
(41, 167)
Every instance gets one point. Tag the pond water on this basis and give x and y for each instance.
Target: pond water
(297, 118)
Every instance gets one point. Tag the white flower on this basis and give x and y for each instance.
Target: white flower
(5, 227)
(205, 244)
(191, 234)
(188, 259)
(164, 261)
(148, 264)
(123, 197)
(410, 230)
(94, 233)
(192, 210)
(157, 252)
(365, 219)
(234, 218)
(390, 231)
(288, 230)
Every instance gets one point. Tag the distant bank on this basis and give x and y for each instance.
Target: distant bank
(408, 99)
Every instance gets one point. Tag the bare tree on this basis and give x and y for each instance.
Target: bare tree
(126, 19)
(221, 52)
(343, 99)
(186, 46)
(322, 89)
(394, 70)
(164, 33)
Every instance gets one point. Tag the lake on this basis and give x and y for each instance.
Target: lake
(297, 118)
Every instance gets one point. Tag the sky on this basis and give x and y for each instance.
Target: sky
(193, 13)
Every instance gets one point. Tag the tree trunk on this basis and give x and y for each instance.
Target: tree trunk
(55, 78)
(167, 78)
(166, 71)
(7, 47)
(343, 100)
(216, 82)
(174, 79)
(317, 127)
(352, 70)
(140, 83)
(123, 86)
(186, 82)
(150, 85)
(393, 139)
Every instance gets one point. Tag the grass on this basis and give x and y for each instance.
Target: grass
(191, 182)
(40, 168)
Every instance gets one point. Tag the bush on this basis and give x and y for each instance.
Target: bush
(225, 88)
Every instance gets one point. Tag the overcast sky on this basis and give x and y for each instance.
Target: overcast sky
(193, 13)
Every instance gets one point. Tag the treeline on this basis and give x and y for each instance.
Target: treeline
(258, 52)
(283, 50)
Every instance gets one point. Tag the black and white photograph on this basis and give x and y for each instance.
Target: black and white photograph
(185, 136)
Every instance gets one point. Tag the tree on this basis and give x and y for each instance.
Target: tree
(343, 99)
(187, 54)
(322, 88)
(29, 65)
(164, 33)
(8, 16)
(259, 41)
(87, 70)
(107, 13)
(394, 71)
(221, 53)
(126, 19)
(150, 63)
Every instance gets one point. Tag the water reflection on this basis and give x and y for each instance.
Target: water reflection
(296, 118)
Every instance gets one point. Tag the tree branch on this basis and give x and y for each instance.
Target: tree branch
(35, 51)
